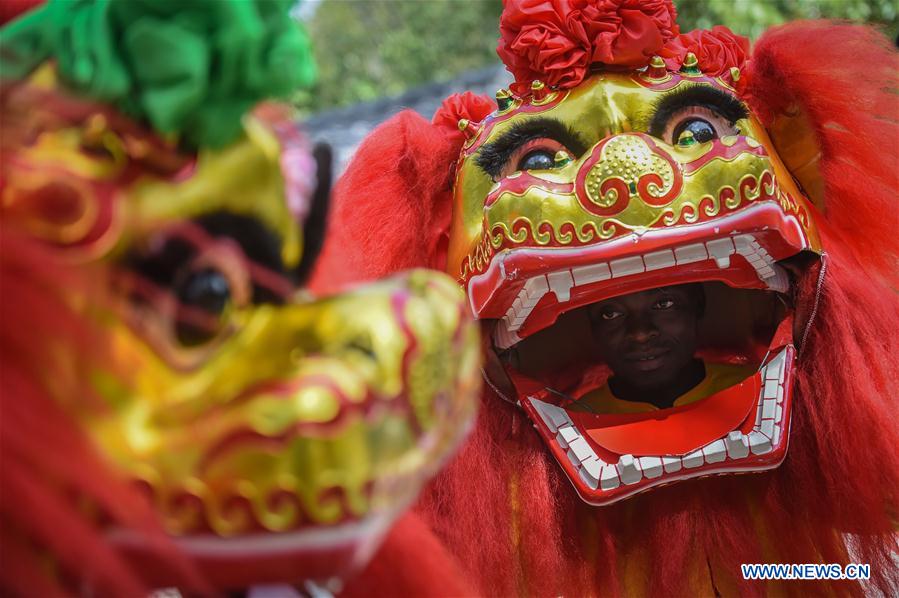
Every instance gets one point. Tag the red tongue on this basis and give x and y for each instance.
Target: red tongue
(673, 431)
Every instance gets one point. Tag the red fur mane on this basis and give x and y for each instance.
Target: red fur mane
(845, 78)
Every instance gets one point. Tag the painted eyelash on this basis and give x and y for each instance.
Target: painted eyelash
(494, 156)
(719, 102)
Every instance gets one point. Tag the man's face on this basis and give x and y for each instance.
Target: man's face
(648, 338)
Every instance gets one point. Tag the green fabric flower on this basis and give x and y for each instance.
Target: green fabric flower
(191, 67)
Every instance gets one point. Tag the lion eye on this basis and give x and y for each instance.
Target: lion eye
(694, 130)
(536, 160)
(203, 296)
(536, 154)
(697, 124)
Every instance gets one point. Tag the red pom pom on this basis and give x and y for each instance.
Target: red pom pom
(468, 105)
(557, 41)
(716, 49)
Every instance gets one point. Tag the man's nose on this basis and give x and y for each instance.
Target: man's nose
(641, 330)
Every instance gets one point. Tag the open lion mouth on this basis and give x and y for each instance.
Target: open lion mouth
(609, 456)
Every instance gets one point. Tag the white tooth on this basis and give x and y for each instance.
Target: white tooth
(591, 273)
(651, 466)
(767, 427)
(517, 308)
(737, 445)
(758, 414)
(590, 480)
(593, 467)
(745, 244)
(629, 469)
(770, 372)
(671, 464)
(765, 272)
(693, 459)
(715, 452)
(780, 394)
(264, 590)
(581, 449)
(659, 259)
(759, 444)
(778, 413)
(768, 408)
(776, 365)
(566, 435)
(775, 440)
(536, 287)
(529, 302)
(573, 458)
(503, 337)
(560, 283)
(554, 417)
(608, 479)
(690, 253)
(519, 314)
(626, 266)
(721, 250)
(780, 281)
(770, 390)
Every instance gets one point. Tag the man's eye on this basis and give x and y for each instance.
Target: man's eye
(610, 314)
(663, 304)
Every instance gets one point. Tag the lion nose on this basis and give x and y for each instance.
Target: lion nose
(624, 168)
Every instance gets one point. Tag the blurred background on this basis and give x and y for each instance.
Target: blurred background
(376, 57)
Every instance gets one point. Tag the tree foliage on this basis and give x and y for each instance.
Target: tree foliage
(372, 48)
(752, 17)
(367, 49)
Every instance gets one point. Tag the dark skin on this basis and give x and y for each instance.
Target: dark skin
(649, 339)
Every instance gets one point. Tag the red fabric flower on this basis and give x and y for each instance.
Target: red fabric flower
(462, 105)
(716, 49)
(556, 41)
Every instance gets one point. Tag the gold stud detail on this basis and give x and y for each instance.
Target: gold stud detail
(503, 100)
(467, 127)
(656, 69)
(538, 90)
(690, 65)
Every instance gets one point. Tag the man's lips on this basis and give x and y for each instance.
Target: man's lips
(646, 353)
(647, 360)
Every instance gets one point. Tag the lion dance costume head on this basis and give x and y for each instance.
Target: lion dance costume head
(176, 409)
(628, 156)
